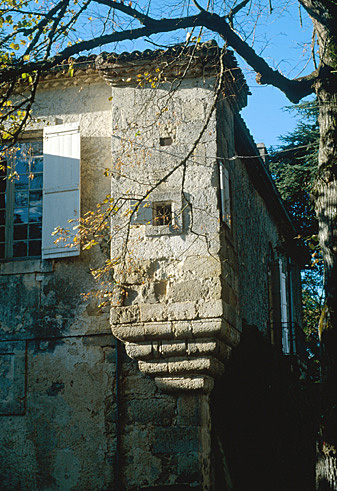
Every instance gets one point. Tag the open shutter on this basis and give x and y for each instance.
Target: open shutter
(61, 190)
(284, 311)
(225, 195)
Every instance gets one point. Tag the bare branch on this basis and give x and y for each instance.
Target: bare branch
(293, 89)
(313, 42)
(198, 6)
(130, 11)
(235, 10)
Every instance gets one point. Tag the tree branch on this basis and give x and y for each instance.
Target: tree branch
(126, 9)
(198, 6)
(293, 89)
(235, 10)
(323, 11)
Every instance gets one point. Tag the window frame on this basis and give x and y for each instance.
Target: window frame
(29, 137)
(61, 150)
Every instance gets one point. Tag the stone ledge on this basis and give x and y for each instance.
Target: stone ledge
(217, 328)
(200, 383)
(159, 312)
(166, 349)
(194, 366)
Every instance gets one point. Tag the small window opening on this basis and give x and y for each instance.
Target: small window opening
(162, 213)
(164, 142)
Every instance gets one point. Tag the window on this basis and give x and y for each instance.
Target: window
(162, 214)
(21, 201)
(284, 310)
(39, 191)
(165, 141)
(225, 198)
(279, 325)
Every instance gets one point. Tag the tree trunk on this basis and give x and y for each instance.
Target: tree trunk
(326, 209)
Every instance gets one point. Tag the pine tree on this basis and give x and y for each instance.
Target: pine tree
(294, 167)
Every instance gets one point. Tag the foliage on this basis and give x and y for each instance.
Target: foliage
(294, 167)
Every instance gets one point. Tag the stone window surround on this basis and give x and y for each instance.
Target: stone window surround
(174, 198)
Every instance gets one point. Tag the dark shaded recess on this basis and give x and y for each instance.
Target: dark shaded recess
(164, 142)
(324, 485)
(172, 487)
(264, 421)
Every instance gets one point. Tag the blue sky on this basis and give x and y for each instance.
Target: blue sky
(283, 38)
(289, 45)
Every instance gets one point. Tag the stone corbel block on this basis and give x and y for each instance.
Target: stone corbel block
(200, 383)
(181, 355)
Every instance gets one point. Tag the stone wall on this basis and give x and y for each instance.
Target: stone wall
(172, 313)
(57, 353)
(257, 238)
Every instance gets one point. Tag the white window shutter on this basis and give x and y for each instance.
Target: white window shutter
(61, 188)
(284, 311)
(225, 195)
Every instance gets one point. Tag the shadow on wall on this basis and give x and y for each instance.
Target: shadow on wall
(264, 422)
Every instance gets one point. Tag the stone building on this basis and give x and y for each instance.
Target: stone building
(93, 399)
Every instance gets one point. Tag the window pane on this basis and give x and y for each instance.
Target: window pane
(21, 198)
(35, 214)
(21, 215)
(19, 249)
(36, 182)
(35, 198)
(20, 232)
(35, 231)
(2, 251)
(21, 166)
(25, 213)
(162, 214)
(36, 147)
(37, 164)
(34, 248)
(22, 183)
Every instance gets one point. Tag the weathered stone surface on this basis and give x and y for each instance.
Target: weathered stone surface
(185, 383)
(139, 350)
(162, 411)
(173, 348)
(182, 310)
(141, 332)
(208, 309)
(202, 365)
(13, 378)
(153, 312)
(125, 315)
(193, 411)
(175, 440)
